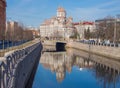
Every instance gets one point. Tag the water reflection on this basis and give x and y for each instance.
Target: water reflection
(55, 61)
(106, 76)
(104, 70)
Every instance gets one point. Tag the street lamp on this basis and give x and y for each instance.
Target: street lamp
(3, 40)
(7, 32)
(64, 34)
(115, 30)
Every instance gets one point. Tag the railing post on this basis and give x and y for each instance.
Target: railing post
(8, 66)
(0, 75)
(3, 75)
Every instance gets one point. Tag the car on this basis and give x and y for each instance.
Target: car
(91, 41)
(0, 42)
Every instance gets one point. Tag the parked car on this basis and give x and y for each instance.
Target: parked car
(91, 41)
(0, 42)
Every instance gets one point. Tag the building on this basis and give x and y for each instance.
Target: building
(82, 26)
(56, 27)
(15, 31)
(102, 23)
(2, 19)
(35, 32)
(63, 27)
(12, 30)
(109, 28)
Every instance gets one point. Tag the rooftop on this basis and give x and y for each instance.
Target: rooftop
(83, 23)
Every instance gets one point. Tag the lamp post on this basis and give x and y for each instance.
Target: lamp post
(3, 47)
(64, 34)
(7, 32)
(115, 30)
(13, 34)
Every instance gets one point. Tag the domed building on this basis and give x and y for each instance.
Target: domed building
(56, 27)
(61, 14)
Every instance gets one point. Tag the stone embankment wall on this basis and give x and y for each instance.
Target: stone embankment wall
(49, 43)
(110, 52)
(16, 67)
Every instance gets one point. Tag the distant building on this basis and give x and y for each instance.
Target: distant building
(2, 19)
(56, 26)
(35, 32)
(63, 27)
(82, 26)
(15, 31)
(11, 30)
(102, 23)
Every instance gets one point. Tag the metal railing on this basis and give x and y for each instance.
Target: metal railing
(102, 44)
(10, 64)
(2, 52)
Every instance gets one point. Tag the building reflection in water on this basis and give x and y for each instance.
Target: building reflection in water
(60, 62)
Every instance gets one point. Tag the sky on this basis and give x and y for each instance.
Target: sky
(34, 12)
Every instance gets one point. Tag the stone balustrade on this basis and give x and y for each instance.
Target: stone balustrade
(16, 67)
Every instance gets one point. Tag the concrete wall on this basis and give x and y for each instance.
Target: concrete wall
(17, 67)
(49, 43)
(110, 52)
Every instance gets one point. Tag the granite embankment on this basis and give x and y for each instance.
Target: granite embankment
(16, 67)
(110, 52)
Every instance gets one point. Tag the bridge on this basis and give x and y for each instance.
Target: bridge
(102, 50)
(60, 45)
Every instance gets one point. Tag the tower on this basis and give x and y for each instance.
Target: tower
(61, 14)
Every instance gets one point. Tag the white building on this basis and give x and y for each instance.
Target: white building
(56, 26)
(11, 30)
(82, 26)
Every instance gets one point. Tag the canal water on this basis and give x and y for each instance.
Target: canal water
(75, 69)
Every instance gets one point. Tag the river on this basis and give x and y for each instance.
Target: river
(75, 69)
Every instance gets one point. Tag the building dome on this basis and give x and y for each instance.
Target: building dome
(60, 9)
(61, 13)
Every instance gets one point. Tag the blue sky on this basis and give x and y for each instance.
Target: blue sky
(34, 12)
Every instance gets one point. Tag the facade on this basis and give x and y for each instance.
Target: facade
(35, 32)
(56, 27)
(63, 27)
(15, 31)
(11, 30)
(101, 23)
(2, 19)
(109, 28)
(106, 21)
(82, 26)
